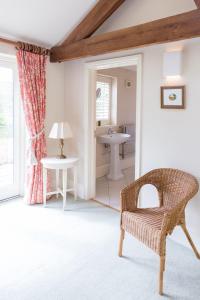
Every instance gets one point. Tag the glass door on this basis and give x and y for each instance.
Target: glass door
(9, 130)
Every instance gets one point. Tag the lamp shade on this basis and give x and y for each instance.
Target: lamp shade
(60, 130)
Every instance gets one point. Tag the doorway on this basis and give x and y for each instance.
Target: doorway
(115, 132)
(91, 124)
(11, 130)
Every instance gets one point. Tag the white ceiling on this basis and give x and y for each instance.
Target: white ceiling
(47, 22)
(134, 12)
(43, 22)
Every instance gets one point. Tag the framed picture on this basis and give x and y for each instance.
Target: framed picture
(173, 97)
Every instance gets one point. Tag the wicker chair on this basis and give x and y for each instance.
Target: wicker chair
(152, 225)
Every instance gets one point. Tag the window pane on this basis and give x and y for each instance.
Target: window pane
(103, 101)
(6, 126)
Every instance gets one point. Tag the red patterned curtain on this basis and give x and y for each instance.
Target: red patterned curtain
(32, 75)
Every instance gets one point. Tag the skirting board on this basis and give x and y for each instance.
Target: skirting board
(80, 190)
(104, 169)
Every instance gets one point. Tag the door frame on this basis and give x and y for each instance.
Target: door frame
(90, 116)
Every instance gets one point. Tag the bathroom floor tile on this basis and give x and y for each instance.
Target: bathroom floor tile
(108, 191)
(129, 175)
(102, 194)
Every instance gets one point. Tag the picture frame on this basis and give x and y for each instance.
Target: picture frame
(173, 97)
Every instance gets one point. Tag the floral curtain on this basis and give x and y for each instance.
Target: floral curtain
(32, 76)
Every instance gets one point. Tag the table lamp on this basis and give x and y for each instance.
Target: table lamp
(60, 131)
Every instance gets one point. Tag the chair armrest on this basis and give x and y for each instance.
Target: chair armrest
(129, 195)
(172, 218)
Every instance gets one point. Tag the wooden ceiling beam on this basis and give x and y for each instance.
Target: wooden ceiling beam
(197, 2)
(94, 19)
(179, 27)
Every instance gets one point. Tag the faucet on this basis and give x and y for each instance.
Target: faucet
(110, 130)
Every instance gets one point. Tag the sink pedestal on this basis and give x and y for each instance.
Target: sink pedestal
(115, 172)
(114, 140)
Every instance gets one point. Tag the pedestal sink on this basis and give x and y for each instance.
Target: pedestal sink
(114, 139)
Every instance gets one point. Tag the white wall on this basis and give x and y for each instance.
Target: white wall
(8, 50)
(55, 102)
(74, 113)
(169, 137)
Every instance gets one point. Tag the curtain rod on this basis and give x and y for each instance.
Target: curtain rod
(9, 42)
(16, 44)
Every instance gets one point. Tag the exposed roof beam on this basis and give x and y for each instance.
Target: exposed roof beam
(94, 19)
(179, 27)
(197, 2)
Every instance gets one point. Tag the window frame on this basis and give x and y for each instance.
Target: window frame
(17, 188)
(109, 80)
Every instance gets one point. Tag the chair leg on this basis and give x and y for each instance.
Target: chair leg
(162, 268)
(190, 240)
(122, 233)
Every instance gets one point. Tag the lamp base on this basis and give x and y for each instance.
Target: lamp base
(61, 156)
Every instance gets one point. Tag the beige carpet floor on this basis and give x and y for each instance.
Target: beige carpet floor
(48, 254)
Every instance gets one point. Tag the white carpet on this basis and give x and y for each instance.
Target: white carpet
(48, 254)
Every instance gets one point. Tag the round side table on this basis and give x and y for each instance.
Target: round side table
(58, 164)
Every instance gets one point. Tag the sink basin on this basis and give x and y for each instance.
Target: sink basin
(114, 139)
